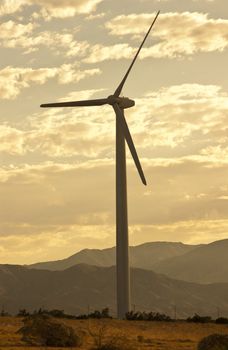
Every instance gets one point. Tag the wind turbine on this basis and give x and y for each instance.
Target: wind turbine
(122, 134)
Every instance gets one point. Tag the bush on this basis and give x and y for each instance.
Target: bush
(199, 319)
(214, 342)
(57, 313)
(54, 313)
(41, 330)
(144, 316)
(4, 313)
(221, 320)
(23, 313)
(104, 313)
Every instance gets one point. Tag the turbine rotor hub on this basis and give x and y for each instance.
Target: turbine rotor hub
(123, 102)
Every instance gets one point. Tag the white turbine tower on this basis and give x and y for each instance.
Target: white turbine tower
(122, 134)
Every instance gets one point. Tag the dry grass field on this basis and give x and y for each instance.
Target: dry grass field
(141, 334)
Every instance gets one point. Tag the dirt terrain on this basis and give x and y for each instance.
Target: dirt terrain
(142, 335)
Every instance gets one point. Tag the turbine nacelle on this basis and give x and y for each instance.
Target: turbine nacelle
(123, 102)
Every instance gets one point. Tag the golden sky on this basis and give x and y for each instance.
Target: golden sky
(57, 166)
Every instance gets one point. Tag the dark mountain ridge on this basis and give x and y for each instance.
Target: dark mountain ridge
(77, 287)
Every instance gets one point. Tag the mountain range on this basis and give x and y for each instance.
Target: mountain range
(144, 256)
(205, 263)
(81, 286)
(164, 276)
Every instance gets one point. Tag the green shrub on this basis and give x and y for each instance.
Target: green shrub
(214, 342)
(41, 330)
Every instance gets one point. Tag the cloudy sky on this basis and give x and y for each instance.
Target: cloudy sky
(57, 166)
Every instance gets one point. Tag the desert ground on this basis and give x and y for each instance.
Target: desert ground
(142, 335)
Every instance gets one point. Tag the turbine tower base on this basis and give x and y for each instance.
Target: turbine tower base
(122, 250)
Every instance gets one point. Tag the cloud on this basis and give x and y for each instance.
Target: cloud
(190, 232)
(69, 73)
(60, 200)
(175, 34)
(12, 29)
(49, 195)
(50, 8)
(81, 95)
(13, 80)
(92, 17)
(12, 140)
(52, 40)
(11, 6)
(66, 8)
(18, 35)
(28, 244)
(185, 122)
(219, 153)
(57, 174)
(172, 0)
(84, 132)
(75, 203)
(31, 243)
(181, 137)
(100, 53)
(70, 132)
(187, 119)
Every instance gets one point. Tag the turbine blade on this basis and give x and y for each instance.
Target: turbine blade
(85, 103)
(120, 87)
(121, 119)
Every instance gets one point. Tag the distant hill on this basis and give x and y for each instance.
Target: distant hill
(79, 286)
(204, 264)
(143, 256)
